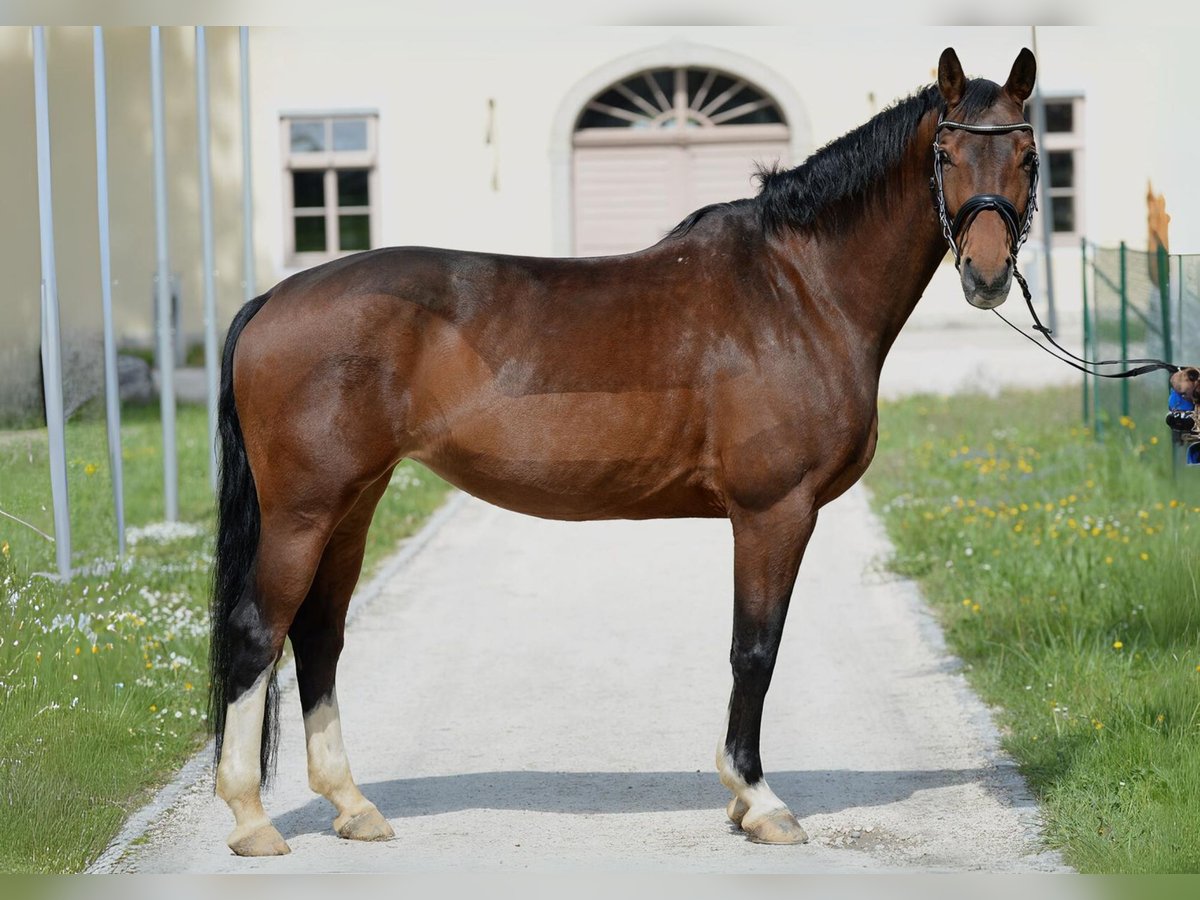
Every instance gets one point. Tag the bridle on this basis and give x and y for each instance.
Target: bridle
(1018, 231)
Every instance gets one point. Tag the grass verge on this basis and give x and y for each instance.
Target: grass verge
(103, 680)
(1064, 573)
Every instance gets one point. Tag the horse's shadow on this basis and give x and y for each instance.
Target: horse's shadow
(582, 793)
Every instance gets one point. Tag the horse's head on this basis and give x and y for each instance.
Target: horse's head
(985, 168)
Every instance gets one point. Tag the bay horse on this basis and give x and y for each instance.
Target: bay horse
(730, 370)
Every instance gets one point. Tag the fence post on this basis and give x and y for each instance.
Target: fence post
(166, 319)
(1164, 296)
(1086, 326)
(1164, 300)
(112, 385)
(50, 334)
(250, 285)
(212, 359)
(1124, 332)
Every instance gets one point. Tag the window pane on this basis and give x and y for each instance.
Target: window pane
(354, 232)
(1064, 213)
(1062, 168)
(310, 234)
(352, 187)
(349, 134)
(593, 118)
(308, 136)
(308, 189)
(1060, 116)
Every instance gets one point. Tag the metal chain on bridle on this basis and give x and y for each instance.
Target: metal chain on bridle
(1018, 230)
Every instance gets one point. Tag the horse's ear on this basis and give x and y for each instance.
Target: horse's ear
(951, 80)
(1020, 80)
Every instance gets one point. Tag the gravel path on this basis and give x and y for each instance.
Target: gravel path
(534, 695)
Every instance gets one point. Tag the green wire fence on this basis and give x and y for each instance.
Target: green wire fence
(1138, 304)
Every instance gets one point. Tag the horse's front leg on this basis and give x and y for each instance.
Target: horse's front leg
(768, 546)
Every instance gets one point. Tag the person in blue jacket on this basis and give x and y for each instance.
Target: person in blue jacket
(1181, 403)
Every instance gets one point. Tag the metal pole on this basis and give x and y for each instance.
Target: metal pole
(212, 361)
(1086, 326)
(1047, 200)
(1164, 298)
(166, 347)
(1124, 333)
(51, 346)
(112, 387)
(249, 289)
(1093, 344)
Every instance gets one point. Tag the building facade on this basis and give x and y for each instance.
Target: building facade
(554, 141)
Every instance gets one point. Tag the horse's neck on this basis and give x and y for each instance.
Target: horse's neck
(879, 266)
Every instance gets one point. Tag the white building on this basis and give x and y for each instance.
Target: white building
(539, 141)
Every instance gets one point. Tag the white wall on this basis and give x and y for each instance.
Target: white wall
(431, 88)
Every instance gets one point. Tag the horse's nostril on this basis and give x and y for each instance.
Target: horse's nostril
(967, 261)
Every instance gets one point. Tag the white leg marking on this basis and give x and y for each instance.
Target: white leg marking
(328, 768)
(329, 775)
(759, 797)
(239, 773)
(763, 816)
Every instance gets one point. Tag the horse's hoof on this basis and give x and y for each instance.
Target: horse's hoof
(263, 840)
(778, 826)
(736, 810)
(368, 825)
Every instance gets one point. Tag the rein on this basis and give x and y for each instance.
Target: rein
(1018, 230)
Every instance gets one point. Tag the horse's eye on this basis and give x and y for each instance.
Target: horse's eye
(1029, 160)
(944, 157)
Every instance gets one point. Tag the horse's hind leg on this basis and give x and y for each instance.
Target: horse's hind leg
(768, 547)
(317, 637)
(289, 549)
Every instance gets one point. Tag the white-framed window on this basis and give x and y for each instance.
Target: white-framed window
(1062, 164)
(329, 185)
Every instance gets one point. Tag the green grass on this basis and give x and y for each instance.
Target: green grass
(103, 680)
(1064, 572)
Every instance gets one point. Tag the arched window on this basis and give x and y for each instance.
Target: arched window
(679, 98)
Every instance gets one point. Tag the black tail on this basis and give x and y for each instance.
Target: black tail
(236, 553)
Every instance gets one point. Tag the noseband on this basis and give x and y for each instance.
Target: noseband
(1018, 228)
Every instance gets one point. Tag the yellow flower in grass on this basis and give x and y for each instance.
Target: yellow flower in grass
(4, 548)
(1144, 556)
(89, 469)
(1117, 645)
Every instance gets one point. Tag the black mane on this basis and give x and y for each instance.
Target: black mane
(850, 169)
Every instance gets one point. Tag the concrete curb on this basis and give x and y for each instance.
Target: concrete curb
(137, 824)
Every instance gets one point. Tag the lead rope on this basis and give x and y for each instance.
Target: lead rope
(1151, 364)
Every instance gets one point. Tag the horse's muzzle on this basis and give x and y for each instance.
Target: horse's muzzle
(983, 292)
